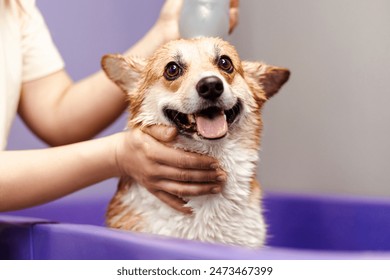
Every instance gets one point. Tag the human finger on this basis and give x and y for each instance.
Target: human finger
(161, 133)
(171, 9)
(190, 175)
(181, 189)
(180, 159)
(173, 201)
(233, 15)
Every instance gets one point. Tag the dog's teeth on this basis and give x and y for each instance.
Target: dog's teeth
(191, 118)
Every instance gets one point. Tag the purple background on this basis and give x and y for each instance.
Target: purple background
(84, 31)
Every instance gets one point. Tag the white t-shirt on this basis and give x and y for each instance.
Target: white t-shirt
(27, 52)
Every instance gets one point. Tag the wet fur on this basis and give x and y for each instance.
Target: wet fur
(235, 215)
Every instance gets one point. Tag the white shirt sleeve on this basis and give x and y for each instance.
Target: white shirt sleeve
(40, 55)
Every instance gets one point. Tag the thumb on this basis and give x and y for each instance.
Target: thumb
(161, 133)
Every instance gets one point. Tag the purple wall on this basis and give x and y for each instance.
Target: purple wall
(84, 31)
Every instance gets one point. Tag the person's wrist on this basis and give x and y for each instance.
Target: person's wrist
(157, 32)
(116, 142)
(149, 43)
(165, 30)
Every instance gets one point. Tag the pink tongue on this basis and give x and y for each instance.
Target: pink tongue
(212, 128)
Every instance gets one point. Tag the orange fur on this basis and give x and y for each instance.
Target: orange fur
(116, 206)
(255, 191)
(142, 78)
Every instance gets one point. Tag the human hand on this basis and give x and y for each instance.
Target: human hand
(233, 15)
(167, 173)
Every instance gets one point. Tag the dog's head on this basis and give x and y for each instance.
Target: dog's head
(199, 85)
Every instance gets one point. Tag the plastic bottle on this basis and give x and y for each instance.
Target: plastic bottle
(209, 18)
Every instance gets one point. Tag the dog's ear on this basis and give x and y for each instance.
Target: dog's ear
(124, 71)
(270, 78)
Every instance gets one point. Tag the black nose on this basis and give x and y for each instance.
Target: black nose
(210, 87)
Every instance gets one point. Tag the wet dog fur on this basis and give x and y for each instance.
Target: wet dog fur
(215, 100)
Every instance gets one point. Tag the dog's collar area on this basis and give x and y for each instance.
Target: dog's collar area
(211, 123)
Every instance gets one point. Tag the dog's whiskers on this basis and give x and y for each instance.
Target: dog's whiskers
(176, 116)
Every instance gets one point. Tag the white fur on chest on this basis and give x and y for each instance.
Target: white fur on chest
(230, 217)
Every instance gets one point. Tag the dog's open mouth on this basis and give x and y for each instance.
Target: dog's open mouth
(211, 123)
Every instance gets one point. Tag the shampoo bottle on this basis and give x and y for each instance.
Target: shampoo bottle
(209, 18)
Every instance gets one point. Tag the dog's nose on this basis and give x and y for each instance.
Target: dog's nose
(210, 87)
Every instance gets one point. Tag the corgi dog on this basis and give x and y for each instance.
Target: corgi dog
(215, 100)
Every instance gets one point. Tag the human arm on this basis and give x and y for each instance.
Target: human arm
(33, 177)
(61, 112)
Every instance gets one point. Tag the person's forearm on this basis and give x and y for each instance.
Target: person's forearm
(74, 112)
(86, 108)
(102, 100)
(62, 112)
(148, 44)
(33, 177)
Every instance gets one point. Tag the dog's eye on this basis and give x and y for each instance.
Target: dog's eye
(225, 64)
(172, 71)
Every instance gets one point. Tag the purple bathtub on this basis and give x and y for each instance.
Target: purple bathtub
(300, 227)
